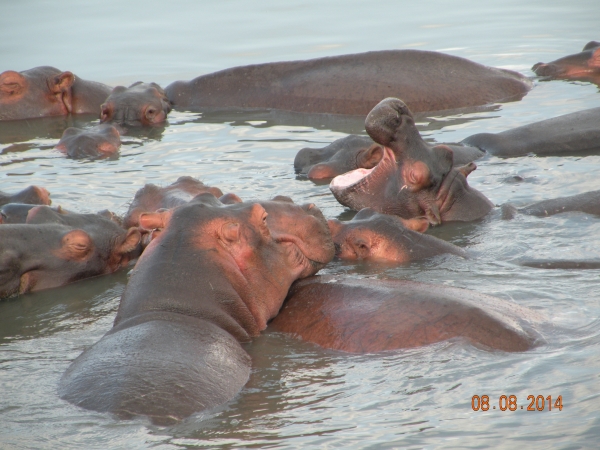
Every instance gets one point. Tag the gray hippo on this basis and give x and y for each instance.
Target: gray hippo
(208, 283)
(583, 66)
(141, 104)
(32, 195)
(353, 84)
(100, 141)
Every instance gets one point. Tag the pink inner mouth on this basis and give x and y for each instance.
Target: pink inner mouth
(356, 176)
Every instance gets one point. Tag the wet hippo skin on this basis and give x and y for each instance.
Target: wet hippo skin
(141, 104)
(584, 66)
(97, 142)
(53, 249)
(372, 236)
(371, 315)
(33, 195)
(573, 133)
(413, 180)
(209, 282)
(151, 198)
(46, 91)
(353, 84)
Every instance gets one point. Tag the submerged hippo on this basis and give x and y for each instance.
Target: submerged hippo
(371, 315)
(32, 195)
(141, 104)
(588, 202)
(53, 249)
(413, 179)
(46, 91)
(584, 66)
(97, 142)
(152, 198)
(353, 84)
(380, 237)
(208, 283)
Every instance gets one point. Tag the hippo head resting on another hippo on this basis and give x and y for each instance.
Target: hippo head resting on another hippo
(141, 104)
(212, 279)
(584, 66)
(413, 179)
(46, 91)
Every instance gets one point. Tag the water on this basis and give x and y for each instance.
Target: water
(300, 395)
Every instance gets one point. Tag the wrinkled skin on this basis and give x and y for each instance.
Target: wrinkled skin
(353, 84)
(141, 104)
(588, 202)
(359, 152)
(583, 66)
(46, 91)
(32, 195)
(372, 236)
(152, 198)
(97, 142)
(574, 133)
(366, 315)
(209, 282)
(53, 249)
(413, 180)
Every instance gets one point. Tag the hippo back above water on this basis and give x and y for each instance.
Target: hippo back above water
(353, 84)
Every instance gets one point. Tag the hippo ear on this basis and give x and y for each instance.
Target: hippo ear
(229, 199)
(131, 241)
(230, 232)
(152, 221)
(61, 85)
(76, 245)
(467, 169)
(419, 224)
(12, 83)
(370, 157)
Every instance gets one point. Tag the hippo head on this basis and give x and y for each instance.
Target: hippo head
(100, 141)
(32, 195)
(141, 104)
(341, 156)
(46, 91)
(584, 65)
(412, 180)
(259, 247)
(380, 237)
(45, 252)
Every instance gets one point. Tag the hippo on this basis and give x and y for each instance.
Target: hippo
(583, 66)
(152, 198)
(373, 315)
(587, 202)
(372, 236)
(574, 133)
(32, 195)
(207, 284)
(353, 84)
(53, 249)
(46, 91)
(360, 152)
(141, 104)
(103, 140)
(413, 179)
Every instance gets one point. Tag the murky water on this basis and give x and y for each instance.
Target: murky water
(300, 395)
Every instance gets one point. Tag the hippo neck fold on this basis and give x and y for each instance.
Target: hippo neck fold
(203, 283)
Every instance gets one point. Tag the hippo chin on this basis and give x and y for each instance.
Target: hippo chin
(371, 236)
(413, 179)
(209, 282)
(428, 81)
(46, 91)
(141, 104)
(368, 315)
(583, 66)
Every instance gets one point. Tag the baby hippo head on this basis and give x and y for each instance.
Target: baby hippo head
(141, 104)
